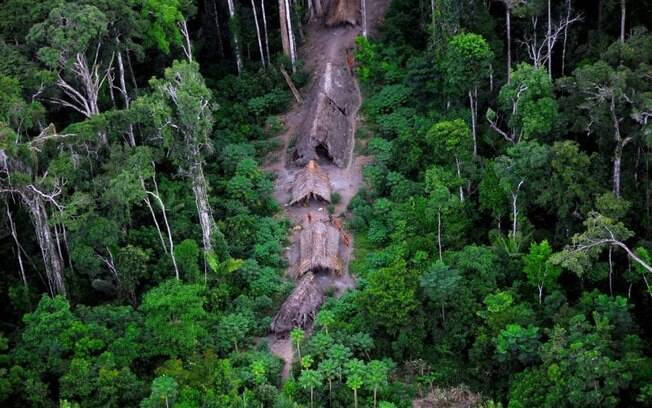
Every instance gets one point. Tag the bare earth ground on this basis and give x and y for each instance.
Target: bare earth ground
(321, 47)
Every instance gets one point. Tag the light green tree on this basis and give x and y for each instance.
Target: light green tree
(310, 379)
(538, 268)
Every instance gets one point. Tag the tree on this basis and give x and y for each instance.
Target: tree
(510, 5)
(174, 318)
(517, 342)
(530, 105)
(38, 191)
(297, 336)
(570, 187)
(340, 355)
(438, 181)
(540, 272)
(377, 373)
(235, 327)
(70, 41)
(355, 374)
(607, 95)
(310, 379)
(183, 100)
(390, 296)
(451, 140)
(601, 232)
(468, 64)
(525, 161)
(329, 369)
(164, 393)
(439, 284)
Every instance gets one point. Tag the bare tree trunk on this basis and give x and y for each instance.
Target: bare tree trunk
(563, 52)
(125, 95)
(549, 40)
(220, 43)
(293, 50)
(187, 45)
(319, 10)
(618, 151)
(262, 8)
(459, 175)
(364, 18)
(260, 41)
(473, 103)
(51, 258)
(14, 235)
(157, 196)
(236, 41)
(515, 208)
(285, 40)
(611, 271)
(540, 293)
(623, 15)
(204, 211)
(509, 44)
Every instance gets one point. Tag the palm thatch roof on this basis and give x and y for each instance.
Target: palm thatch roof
(300, 308)
(311, 183)
(326, 129)
(319, 249)
(343, 12)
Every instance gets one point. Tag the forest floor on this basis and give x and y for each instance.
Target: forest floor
(322, 46)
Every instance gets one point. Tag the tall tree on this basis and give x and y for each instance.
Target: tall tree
(468, 63)
(181, 99)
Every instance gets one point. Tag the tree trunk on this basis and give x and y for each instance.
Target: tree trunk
(509, 43)
(187, 45)
(439, 233)
(291, 42)
(618, 151)
(262, 9)
(319, 11)
(260, 41)
(459, 174)
(236, 42)
(549, 40)
(563, 52)
(473, 103)
(364, 18)
(540, 293)
(623, 14)
(355, 398)
(611, 271)
(204, 211)
(51, 258)
(285, 40)
(14, 235)
(216, 17)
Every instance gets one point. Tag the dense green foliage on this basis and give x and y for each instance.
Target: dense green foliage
(503, 237)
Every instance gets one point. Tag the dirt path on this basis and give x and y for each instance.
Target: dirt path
(325, 49)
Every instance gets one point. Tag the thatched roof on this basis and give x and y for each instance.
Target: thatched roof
(311, 183)
(319, 249)
(300, 308)
(343, 12)
(326, 129)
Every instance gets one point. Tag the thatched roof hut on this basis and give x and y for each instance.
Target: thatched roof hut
(326, 130)
(319, 249)
(311, 183)
(300, 308)
(343, 12)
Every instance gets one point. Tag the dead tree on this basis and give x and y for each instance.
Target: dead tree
(540, 51)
